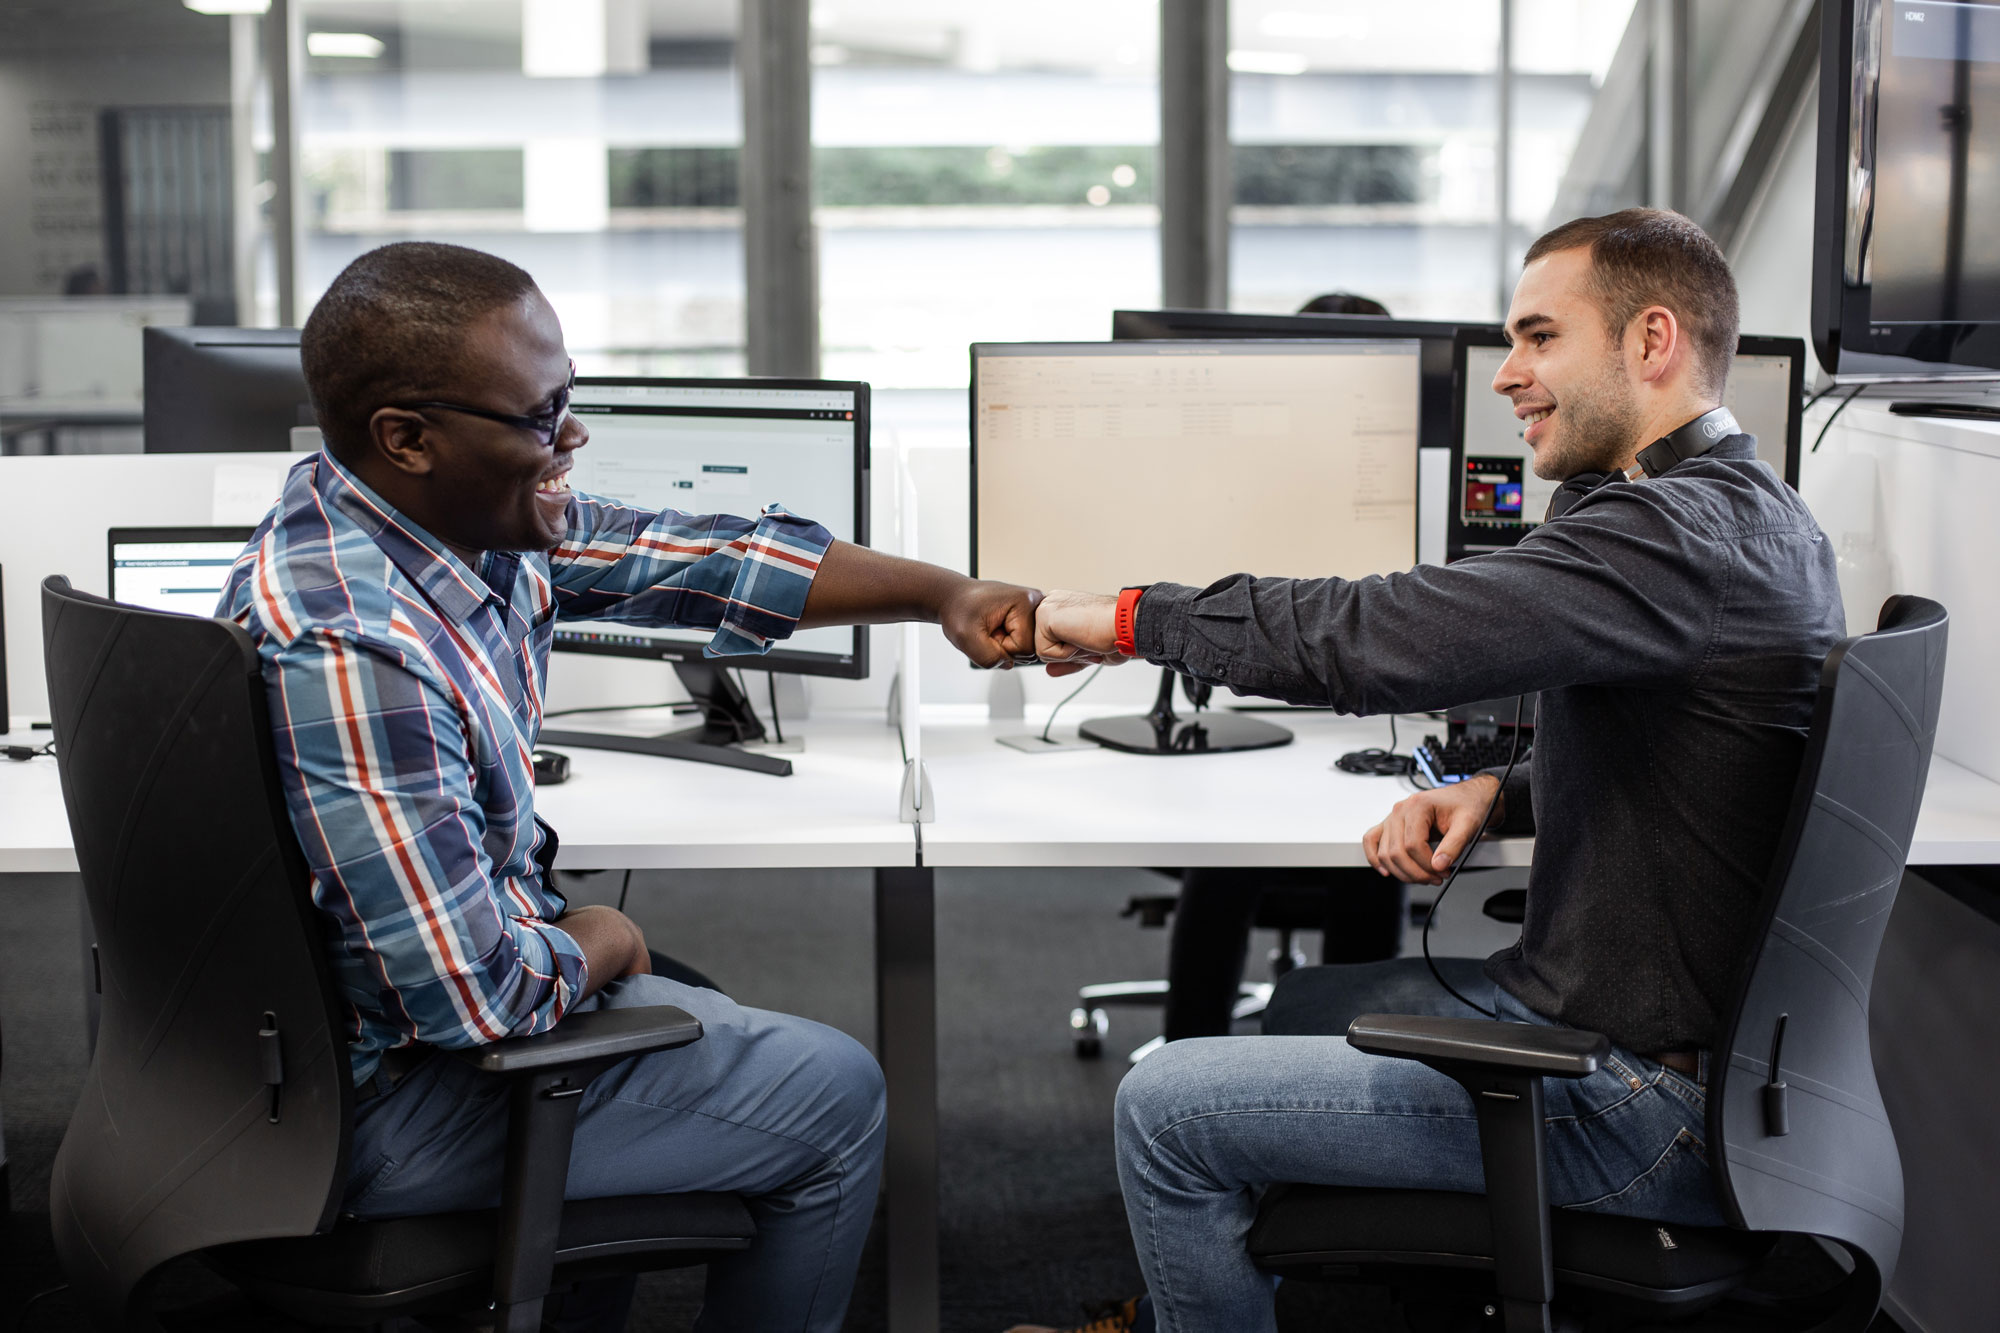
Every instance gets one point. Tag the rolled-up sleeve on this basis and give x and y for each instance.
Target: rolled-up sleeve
(379, 777)
(745, 578)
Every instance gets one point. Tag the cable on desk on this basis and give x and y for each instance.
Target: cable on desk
(1513, 753)
(1376, 762)
(1827, 425)
(24, 752)
(1067, 697)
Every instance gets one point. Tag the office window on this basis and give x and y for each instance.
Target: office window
(981, 172)
(1364, 145)
(592, 142)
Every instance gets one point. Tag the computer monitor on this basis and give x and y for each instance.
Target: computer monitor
(1496, 496)
(1101, 465)
(723, 446)
(1434, 339)
(216, 390)
(172, 569)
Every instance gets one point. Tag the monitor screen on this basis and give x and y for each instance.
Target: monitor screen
(1434, 338)
(729, 447)
(173, 569)
(1101, 465)
(1496, 496)
(1907, 278)
(215, 390)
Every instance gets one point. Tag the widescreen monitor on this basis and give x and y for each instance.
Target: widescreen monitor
(1102, 465)
(1433, 341)
(1496, 498)
(172, 569)
(217, 390)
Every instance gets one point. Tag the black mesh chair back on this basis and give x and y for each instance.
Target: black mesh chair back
(1806, 1144)
(219, 1091)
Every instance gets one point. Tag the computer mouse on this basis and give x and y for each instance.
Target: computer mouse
(551, 767)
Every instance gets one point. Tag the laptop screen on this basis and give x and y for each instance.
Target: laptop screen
(173, 569)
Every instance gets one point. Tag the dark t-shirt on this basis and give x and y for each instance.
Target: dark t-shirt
(1675, 628)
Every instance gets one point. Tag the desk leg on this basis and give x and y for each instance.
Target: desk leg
(906, 1035)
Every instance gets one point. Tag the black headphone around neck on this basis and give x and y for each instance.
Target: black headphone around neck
(1693, 440)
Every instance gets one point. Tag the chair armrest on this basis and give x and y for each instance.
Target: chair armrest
(1523, 1048)
(602, 1035)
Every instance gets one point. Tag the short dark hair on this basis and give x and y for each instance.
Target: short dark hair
(392, 328)
(1343, 303)
(1650, 256)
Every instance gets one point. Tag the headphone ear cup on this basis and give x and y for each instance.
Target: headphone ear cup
(1572, 490)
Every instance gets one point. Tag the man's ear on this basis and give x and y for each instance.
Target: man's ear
(1658, 337)
(399, 436)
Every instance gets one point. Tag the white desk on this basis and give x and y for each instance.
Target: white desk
(1284, 807)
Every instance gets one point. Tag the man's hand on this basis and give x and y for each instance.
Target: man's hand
(992, 623)
(1074, 630)
(1400, 846)
(612, 943)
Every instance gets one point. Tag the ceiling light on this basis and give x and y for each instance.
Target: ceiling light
(1322, 27)
(1267, 62)
(228, 6)
(345, 45)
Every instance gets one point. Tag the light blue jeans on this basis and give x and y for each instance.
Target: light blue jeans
(782, 1110)
(1204, 1125)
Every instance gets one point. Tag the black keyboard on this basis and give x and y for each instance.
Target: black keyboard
(1454, 760)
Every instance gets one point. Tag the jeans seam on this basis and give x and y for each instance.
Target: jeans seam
(1630, 1093)
(1643, 1176)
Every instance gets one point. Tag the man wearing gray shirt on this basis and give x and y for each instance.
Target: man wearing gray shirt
(1673, 617)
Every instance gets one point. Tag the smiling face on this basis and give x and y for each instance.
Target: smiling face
(483, 485)
(1567, 376)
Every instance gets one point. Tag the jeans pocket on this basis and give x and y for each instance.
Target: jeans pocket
(1677, 1187)
(367, 1181)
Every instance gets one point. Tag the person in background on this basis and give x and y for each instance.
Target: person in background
(403, 595)
(1343, 303)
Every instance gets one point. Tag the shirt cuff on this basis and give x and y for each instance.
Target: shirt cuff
(1517, 815)
(1160, 622)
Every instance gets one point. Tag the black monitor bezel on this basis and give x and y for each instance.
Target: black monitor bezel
(854, 666)
(972, 427)
(218, 532)
(1434, 416)
(1456, 547)
(1846, 340)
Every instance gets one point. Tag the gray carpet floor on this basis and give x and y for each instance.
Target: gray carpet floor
(1032, 1223)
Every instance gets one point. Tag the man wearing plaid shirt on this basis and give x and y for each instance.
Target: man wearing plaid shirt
(403, 594)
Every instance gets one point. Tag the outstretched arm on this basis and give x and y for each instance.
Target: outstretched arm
(991, 623)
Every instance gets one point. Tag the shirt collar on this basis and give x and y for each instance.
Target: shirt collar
(446, 580)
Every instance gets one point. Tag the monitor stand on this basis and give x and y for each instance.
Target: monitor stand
(727, 722)
(1162, 732)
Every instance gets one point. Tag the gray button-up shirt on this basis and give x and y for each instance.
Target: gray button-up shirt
(1675, 628)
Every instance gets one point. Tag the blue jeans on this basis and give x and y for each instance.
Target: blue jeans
(1204, 1125)
(787, 1112)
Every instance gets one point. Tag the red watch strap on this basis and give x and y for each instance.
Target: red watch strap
(1125, 621)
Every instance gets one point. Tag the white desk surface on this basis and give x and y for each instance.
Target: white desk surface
(1282, 807)
(620, 811)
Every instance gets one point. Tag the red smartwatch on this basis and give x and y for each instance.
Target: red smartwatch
(1125, 621)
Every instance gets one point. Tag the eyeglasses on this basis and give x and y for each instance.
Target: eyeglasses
(544, 425)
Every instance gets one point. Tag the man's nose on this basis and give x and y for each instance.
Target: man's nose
(1510, 376)
(573, 434)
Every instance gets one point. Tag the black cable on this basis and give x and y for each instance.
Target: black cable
(1827, 425)
(21, 1320)
(771, 682)
(1066, 698)
(1375, 762)
(624, 889)
(24, 752)
(1513, 753)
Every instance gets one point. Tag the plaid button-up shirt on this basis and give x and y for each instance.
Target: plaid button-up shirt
(406, 696)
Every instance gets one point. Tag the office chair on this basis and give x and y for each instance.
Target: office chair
(1800, 1143)
(217, 1115)
(1360, 914)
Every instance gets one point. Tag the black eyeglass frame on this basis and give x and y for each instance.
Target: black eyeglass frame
(545, 425)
